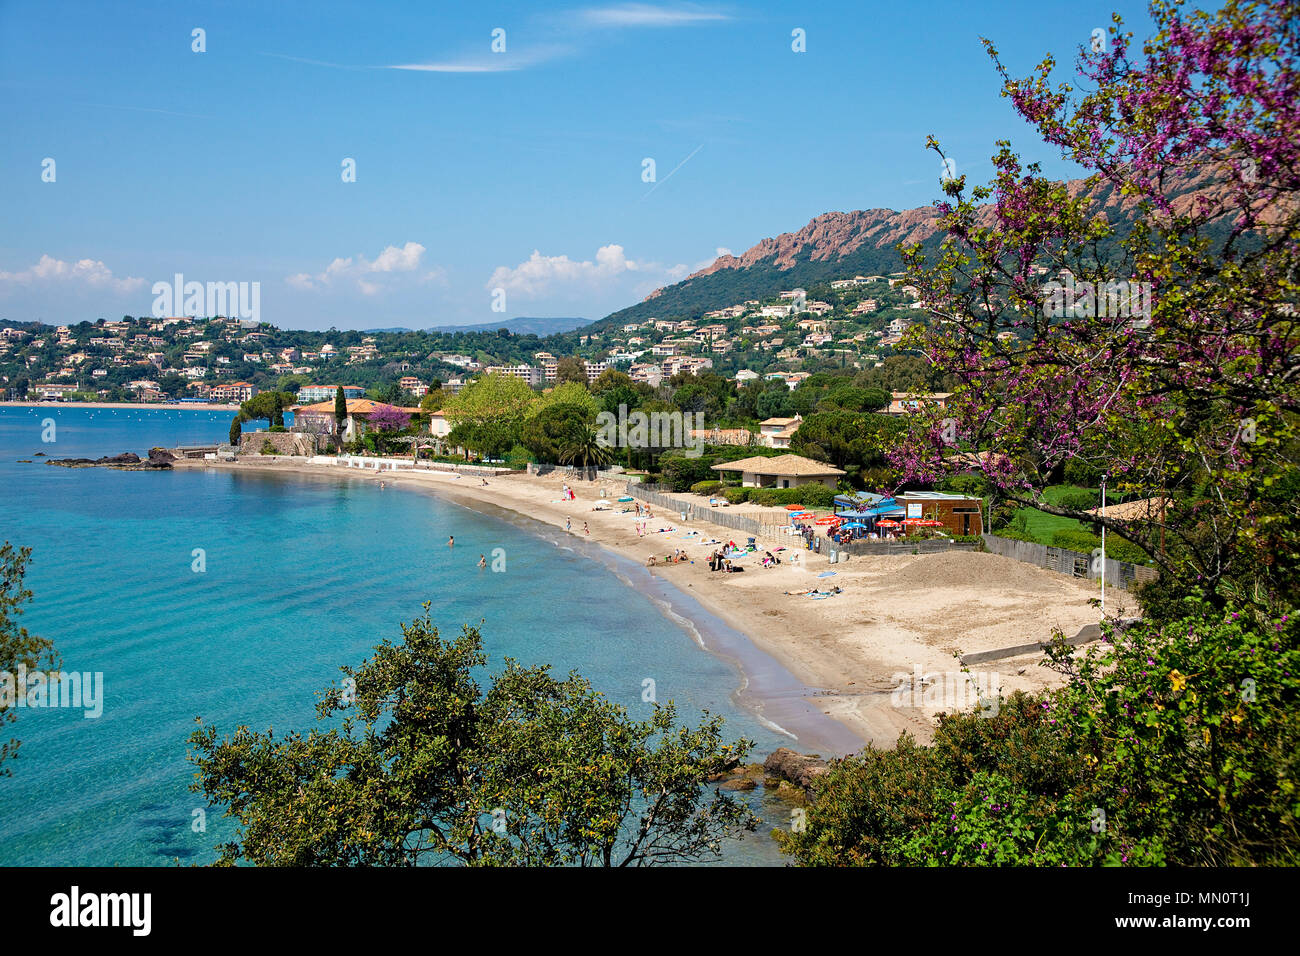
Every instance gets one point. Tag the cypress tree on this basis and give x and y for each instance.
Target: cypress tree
(340, 413)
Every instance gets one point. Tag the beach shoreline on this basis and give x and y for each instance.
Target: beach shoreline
(137, 406)
(868, 657)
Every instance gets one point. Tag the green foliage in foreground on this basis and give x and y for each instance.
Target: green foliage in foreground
(17, 647)
(1175, 745)
(424, 767)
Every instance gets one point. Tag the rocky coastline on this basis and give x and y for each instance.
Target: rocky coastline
(159, 460)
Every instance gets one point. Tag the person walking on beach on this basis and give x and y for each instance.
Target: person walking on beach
(568, 525)
(585, 529)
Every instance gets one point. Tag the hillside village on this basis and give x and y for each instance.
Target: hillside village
(856, 322)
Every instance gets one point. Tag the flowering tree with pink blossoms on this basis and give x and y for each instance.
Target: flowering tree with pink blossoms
(384, 422)
(1143, 325)
(388, 418)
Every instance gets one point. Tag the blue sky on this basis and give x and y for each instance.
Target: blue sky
(475, 170)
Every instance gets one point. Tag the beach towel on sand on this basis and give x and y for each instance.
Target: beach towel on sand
(826, 574)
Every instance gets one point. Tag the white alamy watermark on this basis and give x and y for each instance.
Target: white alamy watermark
(241, 300)
(651, 430)
(951, 691)
(102, 910)
(64, 689)
(1114, 298)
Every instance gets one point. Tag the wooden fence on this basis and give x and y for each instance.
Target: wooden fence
(869, 547)
(1118, 573)
(651, 494)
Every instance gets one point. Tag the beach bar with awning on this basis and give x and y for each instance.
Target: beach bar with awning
(954, 514)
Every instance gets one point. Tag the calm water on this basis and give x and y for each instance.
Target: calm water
(301, 577)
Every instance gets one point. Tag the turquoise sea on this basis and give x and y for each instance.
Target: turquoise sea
(302, 575)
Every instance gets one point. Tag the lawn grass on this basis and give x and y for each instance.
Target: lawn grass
(1042, 526)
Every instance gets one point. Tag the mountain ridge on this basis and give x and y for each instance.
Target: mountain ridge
(836, 245)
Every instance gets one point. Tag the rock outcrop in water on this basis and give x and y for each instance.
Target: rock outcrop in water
(159, 459)
(797, 768)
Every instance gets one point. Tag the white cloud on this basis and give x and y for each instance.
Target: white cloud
(539, 274)
(504, 62)
(91, 272)
(648, 15)
(366, 273)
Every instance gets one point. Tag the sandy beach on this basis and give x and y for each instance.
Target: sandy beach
(898, 621)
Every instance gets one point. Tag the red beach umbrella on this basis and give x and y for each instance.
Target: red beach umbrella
(888, 524)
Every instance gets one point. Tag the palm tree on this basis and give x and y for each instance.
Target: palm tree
(583, 448)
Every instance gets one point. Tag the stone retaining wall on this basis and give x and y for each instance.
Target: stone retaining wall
(284, 443)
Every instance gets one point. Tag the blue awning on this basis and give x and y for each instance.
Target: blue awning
(878, 508)
(859, 499)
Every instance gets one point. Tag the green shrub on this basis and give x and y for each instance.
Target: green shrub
(1081, 473)
(1119, 549)
(1013, 533)
(1185, 735)
(975, 486)
(736, 495)
(706, 487)
(1081, 541)
(518, 457)
(1085, 542)
(1078, 500)
(680, 472)
(810, 496)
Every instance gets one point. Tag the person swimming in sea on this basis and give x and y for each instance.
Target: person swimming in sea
(482, 561)
(451, 541)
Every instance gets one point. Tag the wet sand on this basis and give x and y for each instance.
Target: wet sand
(879, 657)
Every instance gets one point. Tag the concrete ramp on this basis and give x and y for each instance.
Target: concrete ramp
(1087, 634)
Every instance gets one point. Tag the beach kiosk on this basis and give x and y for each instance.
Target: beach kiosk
(783, 471)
